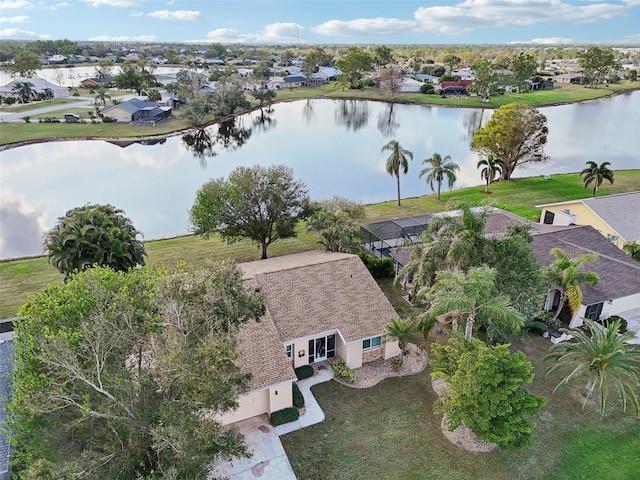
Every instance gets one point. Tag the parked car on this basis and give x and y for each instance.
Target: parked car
(71, 117)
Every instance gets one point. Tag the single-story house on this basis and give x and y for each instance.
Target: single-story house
(616, 217)
(570, 77)
(293, 81)
(94, 82)
(39, 85)
(329, 73)
(136, 110)
(428, 78)
(455, 87)
(319, 306)
(410, 85)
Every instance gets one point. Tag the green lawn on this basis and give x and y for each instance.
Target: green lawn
(390, 431)
(21, 277)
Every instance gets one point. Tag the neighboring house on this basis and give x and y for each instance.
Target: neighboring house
(319, 306)
(428, 78)
(617, 217)
(329, 73)
(95, 82)
(136, 110)
(455, 87)
(410, 85)
(617, 292)
(293, 81)
(6, 356)
(39, 85)
(570, 77)
(465, 73)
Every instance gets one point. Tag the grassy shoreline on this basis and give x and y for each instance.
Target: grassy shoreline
(17, 134)
(18, 278)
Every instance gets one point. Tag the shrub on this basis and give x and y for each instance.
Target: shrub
(378, 267)
(536, 326)
(613, 318)
(340, 369)
(10, 100)
(106, 119)
(396, 364)
(298, 398)
(427, 88)
(27, 119)
(304, 371)
(286, 415)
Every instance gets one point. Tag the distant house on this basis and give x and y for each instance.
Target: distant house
(132, 57)
(137, 111)
(95, 82)
(455, 87)
(423, 77)
(320, 306)
(410, 85)
(570, 77)
(293, 81)
(616, 217)
(39, 86)
(329, 73)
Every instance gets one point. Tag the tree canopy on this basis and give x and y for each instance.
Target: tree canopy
(488, 392)
(517, 134)
(94, 235)
(263, 204)
(523, 66)
(337, 223)
(25, 63)
(117, 375)
(353, 64)
(597, 63)
(135, 76)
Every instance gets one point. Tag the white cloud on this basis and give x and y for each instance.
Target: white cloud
(13, 4)
(272, 33)
(59, 5)
(365, 26)
(123, 38)
(16, 33)
(136, 14)
(18, 19)
(175, 15)
(111, 3)
(631, 3)
(546, 41)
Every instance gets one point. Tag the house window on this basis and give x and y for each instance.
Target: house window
(372, 342)
(593, 311)
(612, 238)
(289, 350)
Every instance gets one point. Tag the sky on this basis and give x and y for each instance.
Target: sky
(312, 22)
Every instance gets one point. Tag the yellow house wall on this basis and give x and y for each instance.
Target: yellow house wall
(119, 114)
(391, 349)
(249, 405)
(299, 346)
(584, 216)
(353, 354)
(280, 396)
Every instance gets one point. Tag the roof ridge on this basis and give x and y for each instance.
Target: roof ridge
(603, 255)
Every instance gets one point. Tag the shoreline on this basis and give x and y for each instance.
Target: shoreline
(286, 100)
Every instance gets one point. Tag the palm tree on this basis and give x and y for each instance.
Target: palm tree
(397, 162)
(472, 297)
(102, 95)
(605, 358)
(564, 275)
(633, 250)
(596, 174)
(24, 90)
(438, 168)
(403, 330)
(490, 167)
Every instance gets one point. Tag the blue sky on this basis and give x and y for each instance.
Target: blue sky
(326, 21)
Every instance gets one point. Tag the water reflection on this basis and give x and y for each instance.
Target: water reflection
(230, 135)
(307, 110)
(264, 121)
(201, 144)
(353, 114)
(388, 121)
(472, 122)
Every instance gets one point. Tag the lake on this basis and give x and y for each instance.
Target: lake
(334, 146)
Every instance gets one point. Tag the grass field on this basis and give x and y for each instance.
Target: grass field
(390, 431)
(16, 133)
(21, 277)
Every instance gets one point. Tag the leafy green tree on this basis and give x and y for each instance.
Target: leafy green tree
(172, 56)
(633, 250)
(383, 55)
(451, 61)
(605, 358)
(489, 168)
(104, 69)
(426, 322)
(25, 63)
(488, 392)
(353, 65)
(113, 372)
(24, 91)
(258, 203)
(94, 235)
(565, 276)
(597, 64)
(102, 95)
(485, 80)
(517, 134)
(228, 97)
(596, 174)
(523, 66)
(403, 330)
(397, 162)
(264, 95)
(437, 169)
(632, 75)
(154, 95)
(135, 76)
(337, 223)
(472, 297)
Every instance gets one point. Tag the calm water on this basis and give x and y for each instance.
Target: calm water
(333, 146)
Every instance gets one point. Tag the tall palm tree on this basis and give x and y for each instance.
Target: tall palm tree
(490, 167)
(24, 90)
(102, 95)
(633, 250)
(437, 169)
(596, 174)
(565, 276)
(605, 358)
(397, 162)
(403, 330)
(472, 297)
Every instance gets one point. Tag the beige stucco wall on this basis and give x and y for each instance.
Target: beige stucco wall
(617, 306)
(298, 346)
(259, 402)
(119, 114)
(353, 354)
(391, 349)
(585, 216)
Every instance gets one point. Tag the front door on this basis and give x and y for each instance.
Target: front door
(322, 348)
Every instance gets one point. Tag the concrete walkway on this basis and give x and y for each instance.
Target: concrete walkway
(269, 460)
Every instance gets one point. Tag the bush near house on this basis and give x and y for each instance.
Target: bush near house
(613, 318)
(298, 398)
(304, 371)
(378, 267)
(286, 415)
(340, 369)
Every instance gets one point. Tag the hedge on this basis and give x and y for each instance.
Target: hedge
(378, 267)
(298, 398)
(286, 415)
(304, 371)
